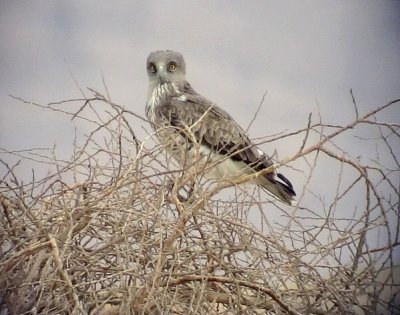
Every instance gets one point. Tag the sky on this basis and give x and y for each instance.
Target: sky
(302, 53)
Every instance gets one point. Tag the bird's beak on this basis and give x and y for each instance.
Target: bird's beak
(161, 74)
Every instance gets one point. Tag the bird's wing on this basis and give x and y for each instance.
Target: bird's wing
(212, 127)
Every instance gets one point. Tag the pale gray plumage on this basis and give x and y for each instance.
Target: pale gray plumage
(194, 130)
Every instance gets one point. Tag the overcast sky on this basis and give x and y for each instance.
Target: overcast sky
(300, 52)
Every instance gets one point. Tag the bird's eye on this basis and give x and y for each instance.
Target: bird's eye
(152, 68)
(172, 66)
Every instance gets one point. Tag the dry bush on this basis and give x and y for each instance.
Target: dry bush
(120, 229)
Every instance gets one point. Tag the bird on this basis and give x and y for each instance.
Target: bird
(195, 131)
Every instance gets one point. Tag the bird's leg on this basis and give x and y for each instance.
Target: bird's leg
(173, 188)
(189, 192)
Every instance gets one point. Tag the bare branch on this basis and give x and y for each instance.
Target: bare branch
(119, 228)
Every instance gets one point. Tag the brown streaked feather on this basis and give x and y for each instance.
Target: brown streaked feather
(212, 127)
(216, 129)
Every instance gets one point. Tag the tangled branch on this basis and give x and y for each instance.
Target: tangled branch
(121, 229)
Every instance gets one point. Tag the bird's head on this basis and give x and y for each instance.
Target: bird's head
(165, 66)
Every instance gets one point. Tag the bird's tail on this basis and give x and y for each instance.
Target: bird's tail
(280, 187)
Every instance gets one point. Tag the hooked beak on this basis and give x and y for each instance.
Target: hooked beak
(162, 74)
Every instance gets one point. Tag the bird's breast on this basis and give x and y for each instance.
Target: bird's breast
(157, 96)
